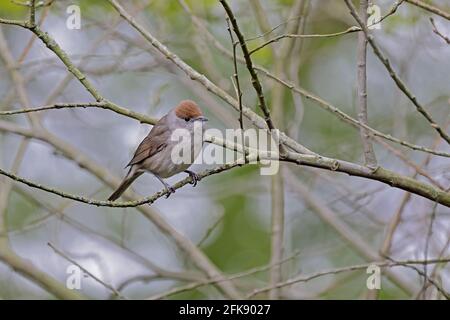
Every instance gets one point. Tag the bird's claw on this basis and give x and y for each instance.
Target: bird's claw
(169, 191)
(195, 178)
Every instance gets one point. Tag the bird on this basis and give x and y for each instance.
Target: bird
(154, 153)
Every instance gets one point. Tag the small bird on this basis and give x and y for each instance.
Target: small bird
(154, 153)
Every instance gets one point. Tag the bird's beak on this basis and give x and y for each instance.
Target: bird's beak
(201, 118)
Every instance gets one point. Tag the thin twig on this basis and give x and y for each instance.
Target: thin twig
(370, 159)
(7, 255)
(210, 230)
(210, 86)
(304, 36)
(420, 272)
(198, 284)
(308, 95)
(436, 31)
(404, 157)
(430, 8)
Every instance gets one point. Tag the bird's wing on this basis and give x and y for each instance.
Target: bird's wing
(153, 143)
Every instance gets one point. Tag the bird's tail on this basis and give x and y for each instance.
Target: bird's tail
(127, 181)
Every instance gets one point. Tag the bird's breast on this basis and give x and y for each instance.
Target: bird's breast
(176, 157)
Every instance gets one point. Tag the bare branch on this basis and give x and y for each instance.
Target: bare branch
(436, 31)
(198, 284)
(255, 80)
(19, 23)
(370, 159)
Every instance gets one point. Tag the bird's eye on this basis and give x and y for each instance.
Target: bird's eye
(187, 119)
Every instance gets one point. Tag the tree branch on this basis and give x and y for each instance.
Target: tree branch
(370, 159)
(106, 285)
(304, 36)
(255, 80)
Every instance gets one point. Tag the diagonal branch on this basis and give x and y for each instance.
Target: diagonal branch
(255, 80)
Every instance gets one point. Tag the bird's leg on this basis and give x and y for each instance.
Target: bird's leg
(195, 178)
(169, 189)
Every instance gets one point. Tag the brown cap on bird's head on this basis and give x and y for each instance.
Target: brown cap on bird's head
(188, 110)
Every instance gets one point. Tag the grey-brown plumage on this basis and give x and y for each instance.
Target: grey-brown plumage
(154, 152)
